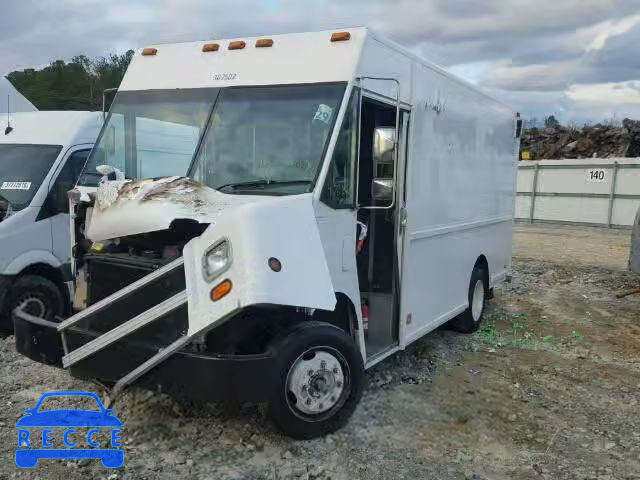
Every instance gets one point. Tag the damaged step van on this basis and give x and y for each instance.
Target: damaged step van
(343, 199)
(41, 157)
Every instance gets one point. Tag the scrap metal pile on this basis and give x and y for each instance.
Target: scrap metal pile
(599, 141)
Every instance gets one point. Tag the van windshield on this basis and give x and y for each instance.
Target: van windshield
(267, 140)
(23, 168)
(151, 133)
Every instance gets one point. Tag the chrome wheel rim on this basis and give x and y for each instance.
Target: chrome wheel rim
(477, 301)
(316, 383)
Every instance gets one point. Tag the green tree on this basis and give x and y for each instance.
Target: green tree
(74, 85)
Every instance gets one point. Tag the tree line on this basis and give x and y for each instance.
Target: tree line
(74, 85)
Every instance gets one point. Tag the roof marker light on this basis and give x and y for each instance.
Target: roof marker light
(149, 51)
(237, 45)
(264, 43)
(211, 47)
(340, 36)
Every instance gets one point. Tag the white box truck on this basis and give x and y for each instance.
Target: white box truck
(41, 157)
(344, 199)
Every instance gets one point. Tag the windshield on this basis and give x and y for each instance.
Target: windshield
(23, 168)
(151, 133)
(267, 139)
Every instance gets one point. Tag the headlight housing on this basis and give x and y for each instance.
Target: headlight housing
(216, 260)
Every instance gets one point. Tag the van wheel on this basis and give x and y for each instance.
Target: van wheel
(320, 379)
(469, 321)
(38, 296)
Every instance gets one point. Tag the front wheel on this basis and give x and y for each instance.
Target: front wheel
(35, 295)
(320, 380)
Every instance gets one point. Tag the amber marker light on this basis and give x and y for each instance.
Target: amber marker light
(340, 36)
(237, 45)
(221, 290)
(210, 47)
(264, 43)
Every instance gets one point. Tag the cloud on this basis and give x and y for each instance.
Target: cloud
(624, 93)
(517, 49)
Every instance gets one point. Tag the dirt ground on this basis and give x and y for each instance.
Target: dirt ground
(549, 388)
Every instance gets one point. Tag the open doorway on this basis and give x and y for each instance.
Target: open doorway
(377, 258)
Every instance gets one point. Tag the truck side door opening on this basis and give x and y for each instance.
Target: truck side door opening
(377, 261)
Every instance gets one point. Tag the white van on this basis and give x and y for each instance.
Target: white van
(41, 157)
(344, 198)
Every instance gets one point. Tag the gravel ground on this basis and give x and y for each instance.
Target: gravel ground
(549, 388)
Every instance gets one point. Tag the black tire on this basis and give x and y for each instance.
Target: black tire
(314, 340)
(45, 298)
(467, 322)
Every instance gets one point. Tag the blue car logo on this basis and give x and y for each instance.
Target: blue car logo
(35, 433)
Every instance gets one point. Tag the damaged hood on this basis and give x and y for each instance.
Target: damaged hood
(124, 208)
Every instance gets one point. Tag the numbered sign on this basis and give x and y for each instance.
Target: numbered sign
(596, 175)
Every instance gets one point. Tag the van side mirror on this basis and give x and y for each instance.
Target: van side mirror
(384, 148)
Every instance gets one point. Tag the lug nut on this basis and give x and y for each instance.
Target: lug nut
(310, 372)
(323, 364)
(335, 370)
(308, 401)
(338, 384)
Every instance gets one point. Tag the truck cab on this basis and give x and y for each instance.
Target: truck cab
(41, 157)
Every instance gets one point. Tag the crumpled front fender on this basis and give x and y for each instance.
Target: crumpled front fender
(284, 228)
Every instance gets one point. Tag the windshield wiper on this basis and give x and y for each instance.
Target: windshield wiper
(262, 183)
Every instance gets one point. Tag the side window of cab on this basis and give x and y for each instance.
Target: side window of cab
(339, 190)
(57, 200)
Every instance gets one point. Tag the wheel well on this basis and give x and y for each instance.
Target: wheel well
(48, 272)
(251, 330)
(482, 263)
(343, 316)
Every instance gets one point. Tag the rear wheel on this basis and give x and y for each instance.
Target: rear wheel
(469, 321)
(320, 375)
(37, 296)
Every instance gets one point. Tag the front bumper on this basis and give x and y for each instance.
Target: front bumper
(203, 376)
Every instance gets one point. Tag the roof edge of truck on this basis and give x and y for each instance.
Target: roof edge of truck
(66, 127)
(223, 64)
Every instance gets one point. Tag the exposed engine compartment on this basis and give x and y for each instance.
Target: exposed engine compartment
(105, 267)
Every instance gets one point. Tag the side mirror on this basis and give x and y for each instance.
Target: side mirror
(109, 411)
(28, 411)
(384, 158)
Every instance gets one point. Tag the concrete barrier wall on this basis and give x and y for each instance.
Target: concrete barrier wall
(602, 192)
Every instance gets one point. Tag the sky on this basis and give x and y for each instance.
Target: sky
(576, 59)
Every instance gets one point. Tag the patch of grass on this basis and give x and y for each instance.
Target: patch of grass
(577, 336)
(513, 331)
(488, 333)
(517, 336)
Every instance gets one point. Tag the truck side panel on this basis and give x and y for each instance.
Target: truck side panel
(460, 197)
